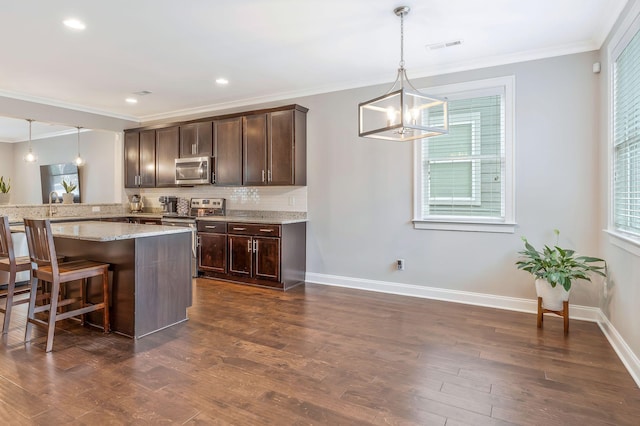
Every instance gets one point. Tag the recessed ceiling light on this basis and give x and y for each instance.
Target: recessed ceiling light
(222, 81)
(74, 24)
(131, 100)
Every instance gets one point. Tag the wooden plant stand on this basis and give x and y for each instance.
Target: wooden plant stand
(564, 313)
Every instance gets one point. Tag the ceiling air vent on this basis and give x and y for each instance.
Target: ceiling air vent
(442, 45)
(142, 93)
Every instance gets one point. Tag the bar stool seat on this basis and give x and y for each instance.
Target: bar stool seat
(12, 265)
(45, 267)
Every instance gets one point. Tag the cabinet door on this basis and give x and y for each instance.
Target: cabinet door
(267, 258)
(212, 255)
(227, 141)
(240, 255)
(167, 150)
(281, 148)
(255, 149)
(131, 159)
(196, 140)
(148, 159)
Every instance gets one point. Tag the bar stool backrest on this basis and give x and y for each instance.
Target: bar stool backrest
(6, 244)
(42, 251)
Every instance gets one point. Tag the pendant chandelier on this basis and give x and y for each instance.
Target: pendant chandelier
(403, 113)
(30, 157)
(79, 161)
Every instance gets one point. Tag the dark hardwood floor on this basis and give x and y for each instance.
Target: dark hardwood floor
(320, 355)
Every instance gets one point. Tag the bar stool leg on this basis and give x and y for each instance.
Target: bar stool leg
(55, 293)
(83, 298)
(7, 310)
(105, 296)
(32, 306)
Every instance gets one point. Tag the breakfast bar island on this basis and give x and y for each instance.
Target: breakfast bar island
(151, 270)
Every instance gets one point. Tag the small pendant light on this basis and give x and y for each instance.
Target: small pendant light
(79, 160)
(30, 157)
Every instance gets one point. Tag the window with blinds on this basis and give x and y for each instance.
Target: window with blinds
(466, 177)
(626, 138)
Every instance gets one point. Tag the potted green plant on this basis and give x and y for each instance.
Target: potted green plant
(5, 187)
(67, 197)
(556, 269)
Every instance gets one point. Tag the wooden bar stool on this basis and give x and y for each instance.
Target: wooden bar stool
(11, 264)
(45, 267)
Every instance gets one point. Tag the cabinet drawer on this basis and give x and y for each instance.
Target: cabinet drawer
(212, 226)
(254, 229)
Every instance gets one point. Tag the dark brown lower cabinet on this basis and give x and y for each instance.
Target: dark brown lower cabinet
(254, 257)
(213, 252)
(212, 247)
(269, 255)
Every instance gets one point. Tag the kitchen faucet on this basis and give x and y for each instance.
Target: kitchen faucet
(52, 210)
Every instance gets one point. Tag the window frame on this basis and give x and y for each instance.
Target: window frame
(506, 86)
(629, 27)
(475, 198)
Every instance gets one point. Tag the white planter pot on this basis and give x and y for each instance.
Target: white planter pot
(4, 198)
(67, 198)
(552, 297)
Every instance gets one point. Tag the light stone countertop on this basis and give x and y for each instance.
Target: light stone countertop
(252, 219)
(108, 231)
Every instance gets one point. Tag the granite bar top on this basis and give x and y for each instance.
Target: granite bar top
(108, 231)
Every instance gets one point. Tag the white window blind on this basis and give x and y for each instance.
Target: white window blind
(626, 138)
(464, 171)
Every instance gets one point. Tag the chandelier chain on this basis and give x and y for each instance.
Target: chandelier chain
(402, 40)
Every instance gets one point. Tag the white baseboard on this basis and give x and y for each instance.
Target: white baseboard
(579, 312)
(626, 355)
(585, 313)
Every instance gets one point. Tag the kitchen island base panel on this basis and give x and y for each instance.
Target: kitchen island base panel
(151, 283)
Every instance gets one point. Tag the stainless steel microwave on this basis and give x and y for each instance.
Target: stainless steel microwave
(194, 170)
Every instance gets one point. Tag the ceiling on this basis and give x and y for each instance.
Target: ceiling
(268, 50)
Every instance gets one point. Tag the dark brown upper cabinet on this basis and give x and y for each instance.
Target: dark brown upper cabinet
(227, 151)
(274, 148)
(167, 150)
(140, 157)
(196, 140)
(253, 148)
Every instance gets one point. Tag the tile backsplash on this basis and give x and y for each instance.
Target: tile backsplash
(281, 198)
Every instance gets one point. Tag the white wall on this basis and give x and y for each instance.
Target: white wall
(101, 174)
(360, 191)
(623, 299)
(6, 160)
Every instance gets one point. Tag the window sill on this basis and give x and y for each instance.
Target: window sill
(476, 226)
(624, 241)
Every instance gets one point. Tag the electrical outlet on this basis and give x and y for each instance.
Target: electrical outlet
(95, 209)
(400, 264)
(292, 200)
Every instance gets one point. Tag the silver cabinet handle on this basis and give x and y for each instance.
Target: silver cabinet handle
(269, 176)
(193, 148)
(263, 175)
(266, 230)
(249, 246)
(239, 229)
(255, 246)
(210, 226)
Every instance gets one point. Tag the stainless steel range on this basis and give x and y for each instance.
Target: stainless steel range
(200, 207)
